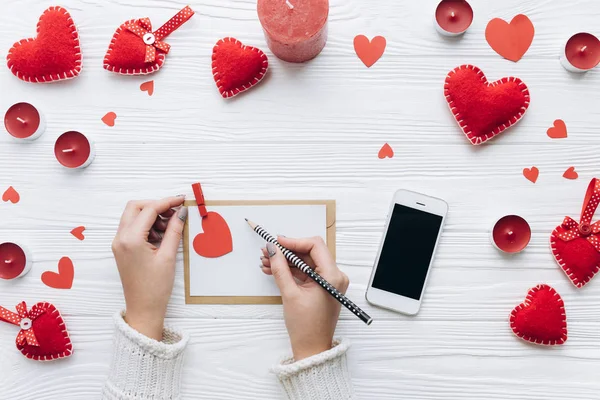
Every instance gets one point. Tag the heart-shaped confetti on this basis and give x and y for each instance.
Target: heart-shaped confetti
(148, 87)
(531, 174)
(558, 130)
(369, 51)
(78, 232)
(570, 173)
(386, 151)
(64, 278)
(510, 40)
(109, 119)
(11, 195)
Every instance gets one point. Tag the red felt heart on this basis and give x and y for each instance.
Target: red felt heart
(216, 240)
(64, 278)
(369, 51)
(109, 119)
(541, 318)
(570, 173)
(512, 40)
(51, 333)
(483, 109)
(578, 258)
(148, 87)
(531, 174)
(53, 55)
(386, 151)
(11, 195)
(236, 67)
(78, 232)
(558, 130)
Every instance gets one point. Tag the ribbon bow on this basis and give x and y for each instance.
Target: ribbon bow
(585, 228)
(23, 319)
(153, 40)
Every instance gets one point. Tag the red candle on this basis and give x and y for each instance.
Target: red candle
(73, 150)
(296, 30)
(14, 261)
(581, 53)
(511, 234)
(24, 121)
(453, 17)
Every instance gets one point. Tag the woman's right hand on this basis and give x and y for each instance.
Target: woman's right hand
(311, 314)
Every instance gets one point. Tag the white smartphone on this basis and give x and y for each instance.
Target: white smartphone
(413, 229)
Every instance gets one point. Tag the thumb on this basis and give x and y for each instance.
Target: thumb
(174, 233)
(280, 269)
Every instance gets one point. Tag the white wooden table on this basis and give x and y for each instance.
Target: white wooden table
(312, 131)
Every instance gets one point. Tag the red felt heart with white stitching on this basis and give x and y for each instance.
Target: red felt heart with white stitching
(54, 54)
(576, 245)
(541, 318)
(484, 109)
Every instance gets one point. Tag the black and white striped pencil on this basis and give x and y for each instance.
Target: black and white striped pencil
(302, 266)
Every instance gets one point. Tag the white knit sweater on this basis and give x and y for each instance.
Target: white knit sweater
(144, 369)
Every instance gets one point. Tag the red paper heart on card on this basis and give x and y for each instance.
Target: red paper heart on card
(531, 174)
(51, 56)
(558, 130)
(78, 232)
(512, 40)
(386, 151)
(64, 278)
(369, 51)
(216, 240)
(236, 67)
(570, 173)
(43, 335)
(11, 195)
(541, 318)
(483, 109)
(148, 87)
(109, 119)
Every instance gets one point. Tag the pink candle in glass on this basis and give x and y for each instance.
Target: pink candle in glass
(453, 17)
(15, 261)
(511, 234)
(581, 53)
(295, 30)
(24, 122)
(73, 150)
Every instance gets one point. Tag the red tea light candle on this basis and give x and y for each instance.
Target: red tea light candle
(73, 150)
(24, 122)
(581, 53)
(15, 261)
(511, 234)
(453, 17)
(295, 30)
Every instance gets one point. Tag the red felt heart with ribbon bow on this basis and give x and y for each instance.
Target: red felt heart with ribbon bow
(484, 109)
(51, 56)
(136, 50)
(576, 245)
(43, 335)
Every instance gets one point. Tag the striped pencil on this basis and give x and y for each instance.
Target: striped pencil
(302, 266)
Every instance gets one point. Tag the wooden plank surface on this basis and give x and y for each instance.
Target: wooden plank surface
(312, 131)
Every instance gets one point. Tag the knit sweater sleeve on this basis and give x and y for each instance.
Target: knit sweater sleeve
(143, 368)
(324, 376)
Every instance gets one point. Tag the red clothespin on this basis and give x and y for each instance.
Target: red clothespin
(199, 195)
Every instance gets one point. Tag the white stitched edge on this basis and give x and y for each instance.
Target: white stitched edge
(566, 269)
(234, 92)
(525, 303)
(477, 140)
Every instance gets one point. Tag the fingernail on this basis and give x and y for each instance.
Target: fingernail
(271, 249)
(281, 236)
(182, 214)
(180, 195)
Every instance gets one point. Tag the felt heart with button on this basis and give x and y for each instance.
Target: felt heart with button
(51, 56)
(43, 335)
(237, 67)
(541, 318)
(136, 50)
(576, 245)
(216, 240)
(484, 109)
(64, 278)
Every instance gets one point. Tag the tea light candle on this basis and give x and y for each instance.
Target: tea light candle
(15, 261)
(581, 53)
(453, 17)
(73, 150)
(295, 30)
(24, 122)
(511, 234)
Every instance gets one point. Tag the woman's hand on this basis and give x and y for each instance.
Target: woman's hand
(147, 271)
(311, 314)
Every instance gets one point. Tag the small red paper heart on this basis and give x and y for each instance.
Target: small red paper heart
(512, 40)
(386, 151)
(541, 318)
(53, 55)
(236, 67)
(570, 173)
(369, 51)
(216, 240)
(11, 195)
(148, 87)
(558, 130)
(78, 232)
(531, 174)
(483, 109)
(64, 278)
(109, 119)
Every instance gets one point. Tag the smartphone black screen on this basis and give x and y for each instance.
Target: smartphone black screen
(407, 251)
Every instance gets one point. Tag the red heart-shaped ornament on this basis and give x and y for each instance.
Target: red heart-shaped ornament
(51, 56)
(236, 67)
(216, 240)
(64, 278)
(483, 109)
(51, 334)
(541, 318)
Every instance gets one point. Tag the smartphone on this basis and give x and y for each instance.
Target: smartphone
(413, 229)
